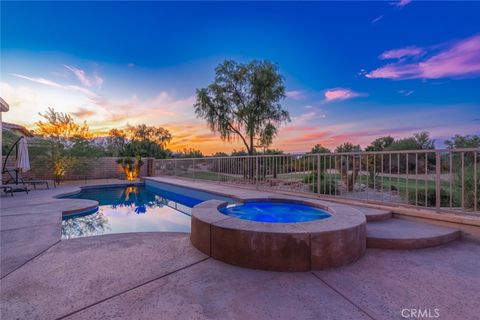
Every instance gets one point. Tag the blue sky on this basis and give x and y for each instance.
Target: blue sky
(354, 70)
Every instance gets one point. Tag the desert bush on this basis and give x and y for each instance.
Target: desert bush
(469, 187)
(328, 185)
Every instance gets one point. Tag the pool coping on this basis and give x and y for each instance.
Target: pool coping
(87, 204)
(152, 179)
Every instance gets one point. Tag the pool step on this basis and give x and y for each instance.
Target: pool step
(375, 214)
(405, 234)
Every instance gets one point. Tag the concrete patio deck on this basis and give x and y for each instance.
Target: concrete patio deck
(161, 276)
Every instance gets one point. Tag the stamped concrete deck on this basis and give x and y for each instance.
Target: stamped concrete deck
(161, 276)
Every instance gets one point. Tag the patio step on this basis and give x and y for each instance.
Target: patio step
(375, 214)
(406, 234)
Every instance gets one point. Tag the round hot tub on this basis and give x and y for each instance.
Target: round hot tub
(279, 234)
(274, 212)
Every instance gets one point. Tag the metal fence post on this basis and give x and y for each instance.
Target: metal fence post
(256, 171)
(437, 181)
(318, 173)
(218, 170)
(475, 181)
(193, 168)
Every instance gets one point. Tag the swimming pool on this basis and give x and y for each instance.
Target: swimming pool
(158, 207)
(268, 211)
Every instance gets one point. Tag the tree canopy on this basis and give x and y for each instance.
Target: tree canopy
(244, 102)
(61, 127)
(318, 148)
(348, 147)
(157, 135)
(140, 140)
(419, 141)
(458, 141)
(189, 153)
(380, 144)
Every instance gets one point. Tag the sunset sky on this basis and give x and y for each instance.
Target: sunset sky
(354, 71)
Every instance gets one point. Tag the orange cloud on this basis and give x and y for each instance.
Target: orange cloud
(83, 113)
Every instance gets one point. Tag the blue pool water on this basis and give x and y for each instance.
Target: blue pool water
(265, 211)
(135, 209)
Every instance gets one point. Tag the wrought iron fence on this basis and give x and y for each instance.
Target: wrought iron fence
(445, 179)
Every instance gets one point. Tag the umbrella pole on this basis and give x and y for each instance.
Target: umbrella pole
(16, 157)
(8, 154)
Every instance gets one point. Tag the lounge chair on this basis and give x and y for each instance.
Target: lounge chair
(15, 176)
(7, 188)
(11, 188)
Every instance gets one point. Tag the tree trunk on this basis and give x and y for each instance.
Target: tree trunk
(251, 151)
(251, 160)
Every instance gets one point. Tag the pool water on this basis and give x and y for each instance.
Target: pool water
(265, 211)
(135, 209)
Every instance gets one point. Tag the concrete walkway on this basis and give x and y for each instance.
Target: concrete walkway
(31, 223)
(161, 276)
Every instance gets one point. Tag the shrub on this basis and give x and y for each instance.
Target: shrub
(131, 167)
(328, 184)
(431, 198)
(456, 198)
(469, 187)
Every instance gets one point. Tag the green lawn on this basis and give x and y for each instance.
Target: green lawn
(411, 188)
(399, 183)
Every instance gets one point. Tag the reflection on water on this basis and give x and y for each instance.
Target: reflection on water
(89, 225)
(127, 209)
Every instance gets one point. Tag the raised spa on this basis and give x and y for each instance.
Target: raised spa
(277, 212)
(279, 234)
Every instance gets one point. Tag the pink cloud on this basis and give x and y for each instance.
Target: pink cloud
(333, 136)
(83, 112)
(400, 3)
(84, 78)
(98, 80)
(294, 94)
(404, 52)
(81, 76)
(459, 59)
(341, 94)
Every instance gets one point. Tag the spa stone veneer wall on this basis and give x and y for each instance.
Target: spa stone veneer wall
(314, 245)
(88, 168)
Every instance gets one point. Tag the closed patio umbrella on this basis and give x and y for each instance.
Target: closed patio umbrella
(23, 162)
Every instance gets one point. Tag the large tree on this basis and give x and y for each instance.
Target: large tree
(140, 140)
(318, 148)
(116, 142)
(143, 133)
(60, 142)
(419, 141)
(244, 102)
(61, 127)
(380, 144)
(348, 147)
